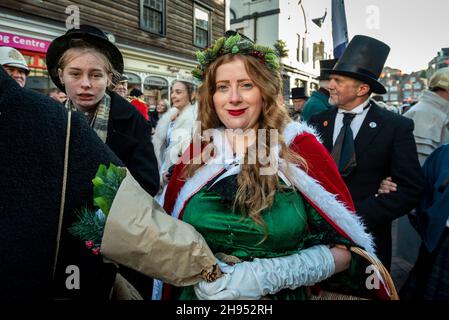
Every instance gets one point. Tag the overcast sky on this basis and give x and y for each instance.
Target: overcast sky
(414, 29)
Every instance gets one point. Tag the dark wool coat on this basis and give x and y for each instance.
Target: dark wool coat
(384, 147)
(433, 210)
(32, 141)
(318, 101)
(129, 136)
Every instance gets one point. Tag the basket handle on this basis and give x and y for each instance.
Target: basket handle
(379, 266)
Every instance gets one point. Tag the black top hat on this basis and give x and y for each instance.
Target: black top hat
(299, 93)
(325, 66)
(363, 59)
(90, 34)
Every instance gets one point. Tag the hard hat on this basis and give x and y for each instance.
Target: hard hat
(13, 58)
(440, 79)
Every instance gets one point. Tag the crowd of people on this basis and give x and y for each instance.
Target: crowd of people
(287, 203)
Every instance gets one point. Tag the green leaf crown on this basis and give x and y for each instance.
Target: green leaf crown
(235, 45)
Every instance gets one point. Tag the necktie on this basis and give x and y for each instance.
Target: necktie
(343, 151)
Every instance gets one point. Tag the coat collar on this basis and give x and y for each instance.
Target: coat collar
(121, 109)
(327, 127)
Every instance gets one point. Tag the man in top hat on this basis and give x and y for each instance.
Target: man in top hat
(299, 98)
(15, 64)
(319, 100)
(369, 143)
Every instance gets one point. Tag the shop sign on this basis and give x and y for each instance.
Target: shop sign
(22, 42)
(156, 81)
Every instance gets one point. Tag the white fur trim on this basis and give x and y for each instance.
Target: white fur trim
(295, 128)
(194, 184)
(223, 157)
(350, 223)
(160, 134)
(180, 136)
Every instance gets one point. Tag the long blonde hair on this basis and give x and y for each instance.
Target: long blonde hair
(255, 192)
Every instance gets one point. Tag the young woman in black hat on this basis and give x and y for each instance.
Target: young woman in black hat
(86, 66)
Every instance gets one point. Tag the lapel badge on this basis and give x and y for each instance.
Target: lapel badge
(372, 125)
(325, 123)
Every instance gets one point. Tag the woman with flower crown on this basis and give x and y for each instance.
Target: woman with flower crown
(262, 190)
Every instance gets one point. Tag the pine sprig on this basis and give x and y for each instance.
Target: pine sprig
(89, 226)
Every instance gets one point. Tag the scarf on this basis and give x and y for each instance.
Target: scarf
(99, 122)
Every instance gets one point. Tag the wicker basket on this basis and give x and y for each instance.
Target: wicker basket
(327, 295)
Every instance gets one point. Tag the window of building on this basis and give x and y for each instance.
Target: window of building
(286, 86)
(313, 86)
(155, 88)
(38, 79)
(305, 51)
(300, 83)
(134, 81)
(298, 48)
(152, 16)
(318, 53)
(201, 27)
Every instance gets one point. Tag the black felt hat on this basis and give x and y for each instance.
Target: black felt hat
(325, 66)
(90, 34)
(363, 59)
(299, 93)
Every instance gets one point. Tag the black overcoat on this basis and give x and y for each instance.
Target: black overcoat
(32, 141)
(129, 136)
(384, 147)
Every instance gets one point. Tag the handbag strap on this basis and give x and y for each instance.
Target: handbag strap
(64, 186)
(379, 266)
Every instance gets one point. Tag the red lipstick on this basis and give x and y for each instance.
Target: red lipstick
(236, 113)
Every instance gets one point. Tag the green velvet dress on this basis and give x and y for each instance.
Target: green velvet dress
(292, 224)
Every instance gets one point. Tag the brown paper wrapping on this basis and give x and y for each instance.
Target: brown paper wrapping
(139, 234)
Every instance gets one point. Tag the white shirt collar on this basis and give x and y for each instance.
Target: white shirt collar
(357, 110)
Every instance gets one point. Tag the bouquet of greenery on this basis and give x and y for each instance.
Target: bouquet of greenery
(130, 228)
(90, 223)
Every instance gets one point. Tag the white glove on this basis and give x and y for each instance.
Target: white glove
(253, 280)
(217, 290)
